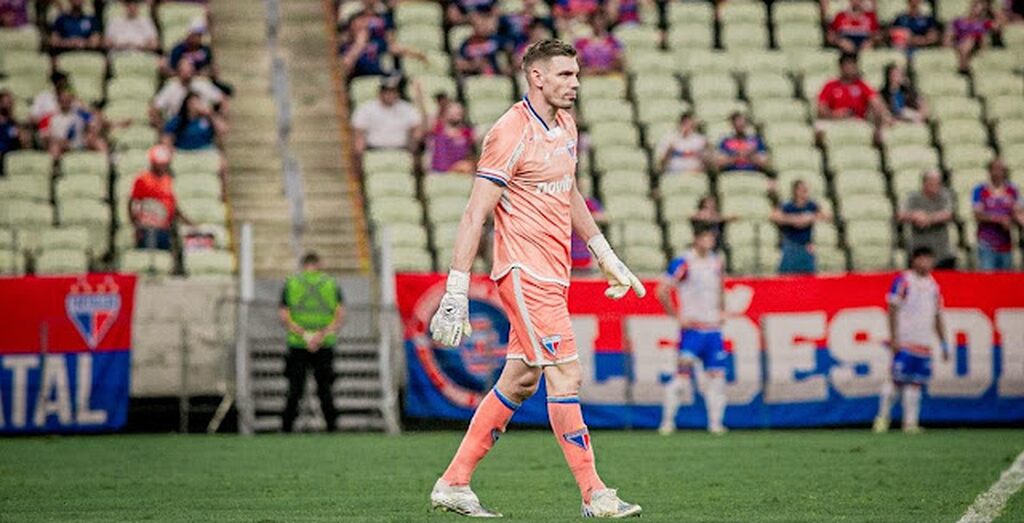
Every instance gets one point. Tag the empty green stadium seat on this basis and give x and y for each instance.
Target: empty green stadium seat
(444, 185)
(21, 39)
(620, 158)
(87, 187)
(90, 163)
(614, 133)
(201, 186)
(404, 235)
(753, 207)
(645, 259)
(24, 188)
(387, 160)
(865, 207)
(859, 182)
(796, 157)
(954, 108)
(629, 207)
(853, 158)
(196, 162)
(28, 163)
(411, 259)
(136, 136)
(848, 132)
(207, 263)
(606, 110)
(19, 214)
(781, 133)
(761, 85)
(906, 134)
(655, 86)
(204, 211)
(147, 262)
(687, 183)
(779, 110)
(446, 209)
(634, 234)
(135, 64)
(917, 157)
(61, 261)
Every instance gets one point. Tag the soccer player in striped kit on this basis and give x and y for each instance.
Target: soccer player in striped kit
(697, 278)
(915, 320)
(526, 177)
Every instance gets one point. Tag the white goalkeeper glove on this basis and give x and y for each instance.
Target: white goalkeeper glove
(451, 321)
(620, 278)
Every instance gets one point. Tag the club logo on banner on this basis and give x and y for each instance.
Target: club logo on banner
(65, 353)
(463, 374)
(802, 351)
(93, 309)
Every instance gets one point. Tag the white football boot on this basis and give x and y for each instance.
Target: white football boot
(605, 503)
(460, 500)
(881, 425)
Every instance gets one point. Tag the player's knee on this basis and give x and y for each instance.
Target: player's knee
(525, 386)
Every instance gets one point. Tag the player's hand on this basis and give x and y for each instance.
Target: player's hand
(620, 278)
(313, 340)
(451, 321)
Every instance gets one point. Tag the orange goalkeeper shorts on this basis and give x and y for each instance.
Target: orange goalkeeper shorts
(540, 332)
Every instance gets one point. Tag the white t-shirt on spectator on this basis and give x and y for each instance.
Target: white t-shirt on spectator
(687, 152)
(168, 99)
(43, 104)
(386, 127)
(131, 32)
(70, 126)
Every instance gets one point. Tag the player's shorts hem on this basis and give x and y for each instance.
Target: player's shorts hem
(545, 363)
(533, 274)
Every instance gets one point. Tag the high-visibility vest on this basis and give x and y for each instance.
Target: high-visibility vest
(312, 298)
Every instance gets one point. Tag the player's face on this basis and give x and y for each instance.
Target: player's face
(923, 264)
(705, 241)
(560, 81)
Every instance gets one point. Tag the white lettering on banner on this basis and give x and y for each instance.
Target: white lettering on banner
(83, 394)
(611, 390)
(1010, 323)
(19, 366)
(651, 360)
(789, 342)
(848, 350)
(54, 393)
(746, 359)
(978, 330)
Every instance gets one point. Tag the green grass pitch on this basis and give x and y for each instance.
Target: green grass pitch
(785, 476)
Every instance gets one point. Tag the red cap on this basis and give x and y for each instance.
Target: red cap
(159, 155)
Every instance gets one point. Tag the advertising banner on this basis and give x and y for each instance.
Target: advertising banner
(65, 353)
(803, 351)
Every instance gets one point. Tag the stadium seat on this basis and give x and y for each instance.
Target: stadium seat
(196, 162)
(87, 71)
(782, 133)
(996, 61)
(22, 215)
(717, 110)
(712, 87)
(91, 214)
(865, 207)
(634, 233)
(826, 234)
(934, 60)
(915, 157)
(128, 109)
(446, 209)
(966, 156)
(848, 132)
(624, 182)
(412, 259)
(637, 36)
(942, 84)
(820, 62)
(620, 158)
(22, 39)
(743, 36)
(814, 179)
(428, 14)
(868, 231)
(683, 184)
(812, 83)
(438, 186)
(645, 259)
(700, 61)
(486, 110)
(954, 108)
(134, 64)
(791, 35)
(679, 207)
(596, 110)
(999, 84)
(487, 87)
(614, 133)
(906, 180)
(215, 263)
(761, 85)
(384, 160)
(406, 235)
(733, 183)
(859, 182)
(795, 157)
(655, 86)
(650, 111)
(61, 261)
(872, 257)
(753, 207)
(136, 136)
(145, 261)
(680, 235)
(438, 63)
(906, 134)
(955, 132)
(651, 62)
(1002, 108)
(28, 163)
(12, 263)
(35, 188)
(737, 12)
(853, 158)
(1010, 134)
(779, 110)
(829, 259)
(626, 207)
(689, 36)
(690, 12)
(64, 238)
(87, 187)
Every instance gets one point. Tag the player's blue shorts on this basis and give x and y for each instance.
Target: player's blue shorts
(703, 345)
(908, 367)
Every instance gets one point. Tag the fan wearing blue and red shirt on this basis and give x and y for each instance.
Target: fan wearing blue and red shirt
(742, 150)
(997, 206)
(514, 27)
(601, 52)
(915, 322)
(854, 29)
(478, 55)
(460, 11)
(697, 279)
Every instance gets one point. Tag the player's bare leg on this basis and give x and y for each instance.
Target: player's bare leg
(563, 385)
(452, 492)
(911, 408)
(671, 399)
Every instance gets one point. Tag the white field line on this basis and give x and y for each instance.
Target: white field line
(989, 504)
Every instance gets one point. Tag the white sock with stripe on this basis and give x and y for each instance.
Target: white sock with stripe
(715, 400)
(911, 406)
(670, 402)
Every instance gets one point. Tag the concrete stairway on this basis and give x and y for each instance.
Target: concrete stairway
(256, 184)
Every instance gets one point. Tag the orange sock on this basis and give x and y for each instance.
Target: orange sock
(487, 425)
(567, 423)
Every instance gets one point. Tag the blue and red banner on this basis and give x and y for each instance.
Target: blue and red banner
(65, 357)
(803, 351)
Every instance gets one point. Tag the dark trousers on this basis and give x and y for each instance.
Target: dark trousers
(295, 364)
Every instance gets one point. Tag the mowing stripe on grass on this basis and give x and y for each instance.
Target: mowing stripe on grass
(989, 504)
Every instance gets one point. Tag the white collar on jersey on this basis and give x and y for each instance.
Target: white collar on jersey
(551, 132)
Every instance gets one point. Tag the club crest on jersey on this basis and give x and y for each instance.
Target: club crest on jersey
(93, 309)
(571, 147)
(580, 438)
(551, 343)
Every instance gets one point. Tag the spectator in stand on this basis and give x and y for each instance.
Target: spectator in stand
(13, 13)
(600, 53)
(927, 214)
(460, 11)
(571, 14)
(997, 206)
(850, 97)
(514, 28)
(683, 150)
(708, 217)
(169, 99)
(71, 128)
(901, 97)
(1013, 10)
(193, 49)
(131, 32)
(743, 150)
(854, 29)
(796, 219)
(75, 30)
(967, 34)
(363, 49)
(478, 55)
(45, 103)
(451, 142)
(195, 128)
(914, 28)
(624, 12)
(388, 122)
(12, 133)
(582, 260)
(152, 205)
(538, 31)
(376, 17)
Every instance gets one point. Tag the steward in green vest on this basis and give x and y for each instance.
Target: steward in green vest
(312, 308)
